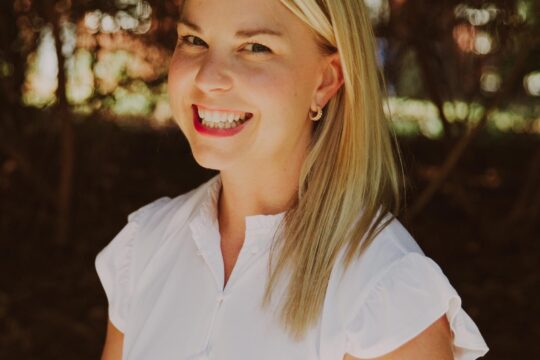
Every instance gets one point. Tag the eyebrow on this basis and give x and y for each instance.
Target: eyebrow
(240, 33)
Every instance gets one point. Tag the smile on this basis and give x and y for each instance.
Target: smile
(219, 122)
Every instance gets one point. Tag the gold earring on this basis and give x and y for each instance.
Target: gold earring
(318, 115)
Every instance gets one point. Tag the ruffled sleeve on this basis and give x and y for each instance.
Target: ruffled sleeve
(113, 262)
(407, 298)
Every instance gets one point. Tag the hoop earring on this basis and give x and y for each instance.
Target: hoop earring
(318, 115)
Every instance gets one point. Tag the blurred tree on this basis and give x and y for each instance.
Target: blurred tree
(469, 59)
(151, 35)
(454, 44)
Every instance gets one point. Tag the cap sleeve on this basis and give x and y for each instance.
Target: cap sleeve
(113, 262)
(407, 298)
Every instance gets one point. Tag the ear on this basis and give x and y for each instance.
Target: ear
(331, 79)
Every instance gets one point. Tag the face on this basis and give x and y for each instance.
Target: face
(222, 63)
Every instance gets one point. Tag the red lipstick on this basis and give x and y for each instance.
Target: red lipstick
(197, 123)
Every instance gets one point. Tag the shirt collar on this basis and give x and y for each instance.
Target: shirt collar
(205, 226)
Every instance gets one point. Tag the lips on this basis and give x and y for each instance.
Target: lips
(246, 115)
(220, 109)
(218, 132)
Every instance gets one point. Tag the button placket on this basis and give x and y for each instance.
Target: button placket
(208, 350)
(221, 297)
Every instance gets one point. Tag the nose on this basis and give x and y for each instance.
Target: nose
(212, 75)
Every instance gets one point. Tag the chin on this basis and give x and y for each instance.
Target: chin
(209, 159)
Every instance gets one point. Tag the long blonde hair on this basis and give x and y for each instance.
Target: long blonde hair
(350, 185)
(349, 181)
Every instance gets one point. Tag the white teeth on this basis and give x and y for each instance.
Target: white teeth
(221, 125)
(220, 116)
(221, 119)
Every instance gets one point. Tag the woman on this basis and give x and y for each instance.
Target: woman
(292, 251)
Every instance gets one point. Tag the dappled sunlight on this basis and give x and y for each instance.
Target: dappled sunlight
(420, 117)
(111, 68)
(42, 74)
(483, 43)
(379, 10)
(133, 100)
(476, 16)
(532, 83)
(490, 81)
(80, 84)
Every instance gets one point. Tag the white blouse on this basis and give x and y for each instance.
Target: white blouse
(163, 276)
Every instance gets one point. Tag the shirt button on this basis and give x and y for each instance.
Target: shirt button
(222, 297)
(199, 252)
(254, 250)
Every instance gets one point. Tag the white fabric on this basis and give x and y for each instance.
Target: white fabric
(163, 276)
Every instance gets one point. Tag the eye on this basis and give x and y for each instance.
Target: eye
(191, 40)
(256, 48)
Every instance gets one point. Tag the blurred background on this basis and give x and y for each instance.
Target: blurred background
(86, 137)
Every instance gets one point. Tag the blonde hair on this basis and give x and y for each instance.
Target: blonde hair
(349, 182)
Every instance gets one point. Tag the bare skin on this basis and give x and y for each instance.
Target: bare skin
(230, 254)
(114, 343)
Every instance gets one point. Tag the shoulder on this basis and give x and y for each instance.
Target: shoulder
(350, 287)
(163, 210)
(393, 292)
(390, 247)
(146, 226)
(156, 221)
(121, 261)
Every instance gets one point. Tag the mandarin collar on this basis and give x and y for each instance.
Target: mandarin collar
(205, 222)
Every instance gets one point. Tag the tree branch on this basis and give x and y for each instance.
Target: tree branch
(459, 148)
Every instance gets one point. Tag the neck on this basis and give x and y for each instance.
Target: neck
(265, 190)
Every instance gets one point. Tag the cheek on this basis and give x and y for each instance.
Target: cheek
(282, 95)
(178, 73)
(178, 83)
(292, 94)
(275, 88)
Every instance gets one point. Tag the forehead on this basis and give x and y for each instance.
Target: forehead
(237, 15)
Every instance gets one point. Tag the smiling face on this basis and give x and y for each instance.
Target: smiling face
(222, 62)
